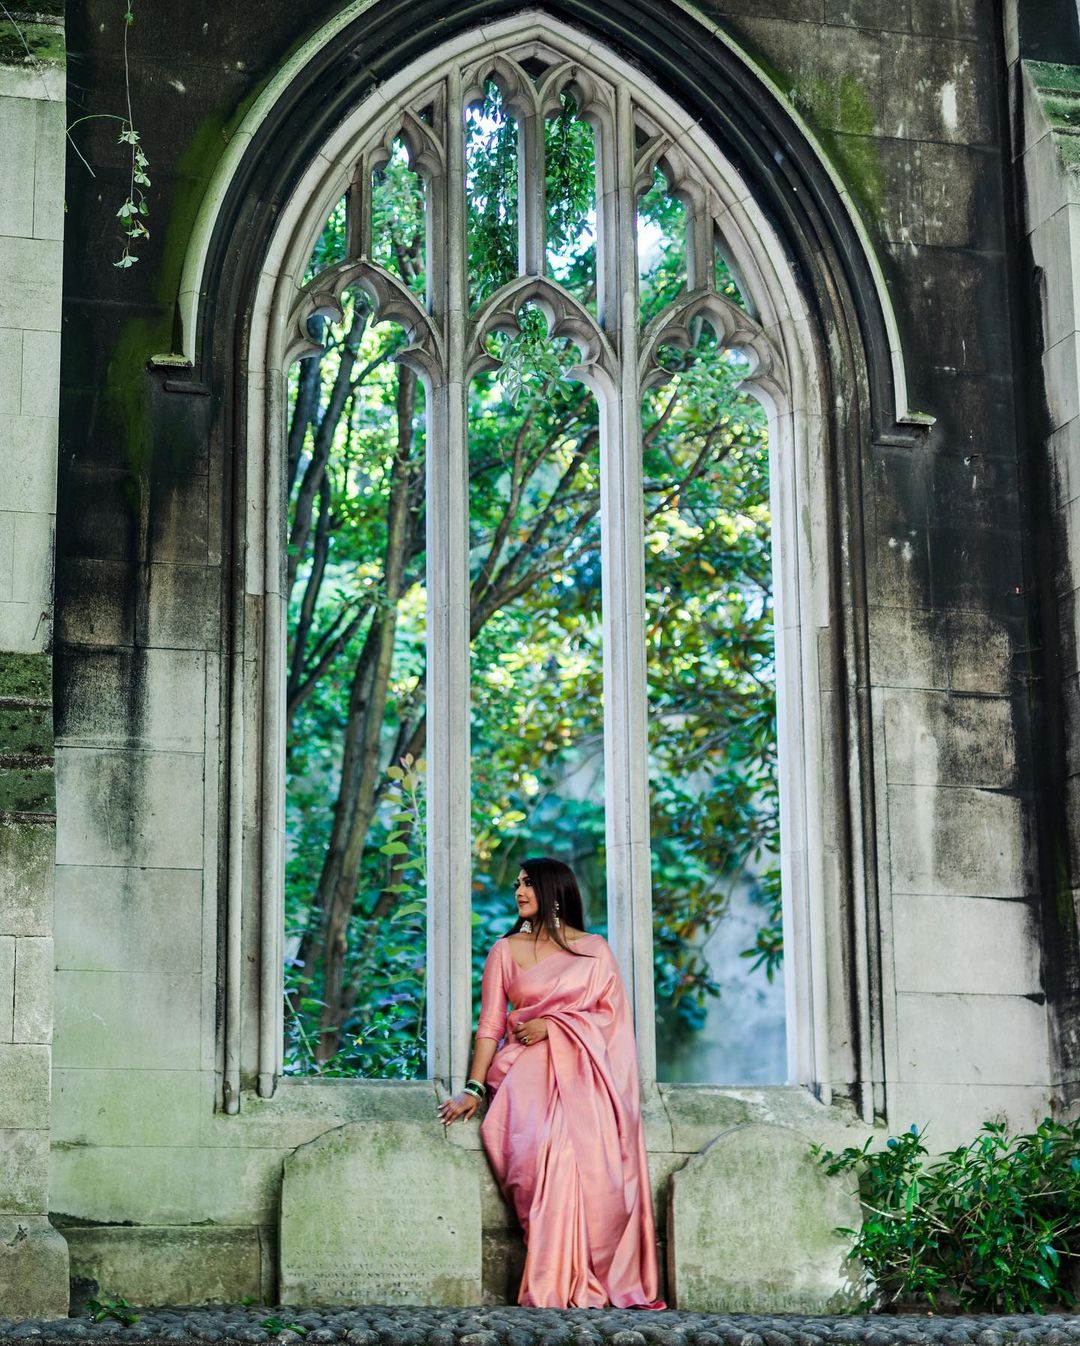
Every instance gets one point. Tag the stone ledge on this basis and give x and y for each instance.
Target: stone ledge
(539, 1327)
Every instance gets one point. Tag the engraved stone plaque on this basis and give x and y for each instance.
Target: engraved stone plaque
(380, 1213)
(751, 1227)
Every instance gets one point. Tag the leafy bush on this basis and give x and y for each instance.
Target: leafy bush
(993, 1226)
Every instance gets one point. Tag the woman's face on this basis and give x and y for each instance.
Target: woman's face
(527, 903)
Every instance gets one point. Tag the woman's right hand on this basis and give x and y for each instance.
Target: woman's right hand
(463, 1106)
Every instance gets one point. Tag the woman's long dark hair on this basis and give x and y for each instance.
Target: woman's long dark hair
(557, 893)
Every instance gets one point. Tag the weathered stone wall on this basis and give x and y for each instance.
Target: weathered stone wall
(908, 101)
(1046, 149)
(33, 1257)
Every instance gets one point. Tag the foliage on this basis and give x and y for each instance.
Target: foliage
(134, 210)
(276, 1324)
(108, 1307)
(356, 693)
(993, 1226)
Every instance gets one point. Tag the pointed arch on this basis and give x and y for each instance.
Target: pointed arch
(826, 363)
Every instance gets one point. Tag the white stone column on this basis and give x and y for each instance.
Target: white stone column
(33, 1255)
(449, 860)
(626, 766)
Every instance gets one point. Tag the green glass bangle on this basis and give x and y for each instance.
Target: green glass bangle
(475, 1088)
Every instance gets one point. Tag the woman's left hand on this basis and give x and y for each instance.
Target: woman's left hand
(532, 1030)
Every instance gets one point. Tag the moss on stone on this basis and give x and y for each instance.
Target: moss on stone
(833, 105)
(1048, 75)
(27, 790)
(27, 730)
(26, 676)
(843, 119)
(32, 44)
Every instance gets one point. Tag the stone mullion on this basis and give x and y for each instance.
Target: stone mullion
(532, 197)
(449, 933)
(623, 589)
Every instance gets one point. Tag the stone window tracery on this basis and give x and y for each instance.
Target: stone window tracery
(641, 138)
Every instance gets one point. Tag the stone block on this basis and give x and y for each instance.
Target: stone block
(699, 1113)
(751, 1228)
(834, 75)
(1055, 248)
(958, 841)
(167, 1264)
(127, 1020)
(49, 171)
(33, 1268)
(113, 919)
(11, 381)
(24, 1099)
(7, 987)
(18, 153)
(111, 530)
(183, 608)
(991, 1040)
(27, 851)
(32, 570)
(28, 452)
(503, 1262)
(135, 1107)
(948, 92)
(134, 699)
(977, 568)
(95, 601)
(180, 519)
(879, 15)
(965, 944)
(951, 18)
(1046, 184)
(7, 563)
(953, 1113)
(165, 1184)
(305, 1107)
(41, 374)
(25, 626)
(980, 653)
(33, 989)
(30, 298)
(1063, 450)
(942, 738)
(24, 1172)
(355, 1230)
(1061, 370)
(907, 648)
(130, 808)
(927, 193)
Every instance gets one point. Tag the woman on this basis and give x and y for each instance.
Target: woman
(563, 1127)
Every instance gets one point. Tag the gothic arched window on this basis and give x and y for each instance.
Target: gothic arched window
(529, 287)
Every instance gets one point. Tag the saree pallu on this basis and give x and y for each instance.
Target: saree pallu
(563, 1128)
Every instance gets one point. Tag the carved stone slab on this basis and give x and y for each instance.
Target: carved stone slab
(380, 1213)
(751, 1224)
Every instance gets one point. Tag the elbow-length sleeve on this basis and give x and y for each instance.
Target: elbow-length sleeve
(493, 998)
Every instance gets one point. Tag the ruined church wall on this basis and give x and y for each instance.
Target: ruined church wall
(33, 1257)
(911, 116)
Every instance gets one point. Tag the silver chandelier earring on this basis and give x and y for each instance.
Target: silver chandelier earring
(556, 922)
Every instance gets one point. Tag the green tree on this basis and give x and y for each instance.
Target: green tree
(356, 666)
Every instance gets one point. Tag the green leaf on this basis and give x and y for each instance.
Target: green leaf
(409, 909)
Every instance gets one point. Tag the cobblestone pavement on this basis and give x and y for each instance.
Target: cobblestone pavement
(538, 1327)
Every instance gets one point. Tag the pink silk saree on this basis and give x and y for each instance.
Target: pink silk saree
(563, 1128)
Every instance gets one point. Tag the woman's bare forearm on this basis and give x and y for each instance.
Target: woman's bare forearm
(483, 1052)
